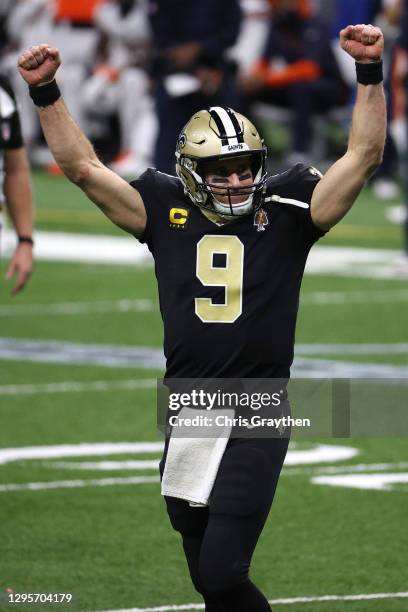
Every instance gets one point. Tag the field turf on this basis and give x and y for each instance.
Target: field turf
(109, 543)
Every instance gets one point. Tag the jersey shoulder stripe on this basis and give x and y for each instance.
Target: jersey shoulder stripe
(294, 186)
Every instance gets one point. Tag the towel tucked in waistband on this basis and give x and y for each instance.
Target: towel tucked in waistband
(192, 463)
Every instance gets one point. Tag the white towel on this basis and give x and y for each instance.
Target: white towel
(192, 463)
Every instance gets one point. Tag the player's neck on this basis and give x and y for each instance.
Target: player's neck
(215, 218)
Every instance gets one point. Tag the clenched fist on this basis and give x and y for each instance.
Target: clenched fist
(39, 64)
(365, 43)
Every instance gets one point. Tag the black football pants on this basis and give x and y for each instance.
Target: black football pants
(219, 540)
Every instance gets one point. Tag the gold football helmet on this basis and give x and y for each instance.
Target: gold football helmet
(216, 134)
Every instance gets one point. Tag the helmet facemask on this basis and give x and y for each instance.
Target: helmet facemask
(202, 141)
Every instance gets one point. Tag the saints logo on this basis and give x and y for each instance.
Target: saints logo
(181, 141)
(261, 220)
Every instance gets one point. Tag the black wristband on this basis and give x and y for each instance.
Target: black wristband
(27, 239)
(44, 95)
(369, 74)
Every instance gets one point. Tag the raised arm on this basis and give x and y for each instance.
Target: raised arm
(73, 152)
(337, 191)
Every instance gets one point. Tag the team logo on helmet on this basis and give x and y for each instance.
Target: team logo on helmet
(181, 142)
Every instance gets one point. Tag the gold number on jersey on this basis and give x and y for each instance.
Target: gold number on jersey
(229, 277)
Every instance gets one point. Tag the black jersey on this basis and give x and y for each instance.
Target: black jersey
(10, 129)
(229, 294)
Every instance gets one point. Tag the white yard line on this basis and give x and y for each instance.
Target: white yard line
(106, 466)
(373, 482)
(342, 479)
(78, 308)
(84, 449)
(283, 602)
(85, 248)
(78, 387)
(342, 469)
(327, 260)
(304, 367)
(52, 351)
(74, 484)
(396, 348)
(321, 298)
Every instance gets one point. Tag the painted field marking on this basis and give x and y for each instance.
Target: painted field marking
(85, 248)
(321, 298)
(85, 449)
(377, 482)
(319, 453)
(107, 466)
(52, 351)
(344, 469)
(394, 348)
(283, 602)
(74, 484)
(79, 308)
(74, 386)
(123, 250)
(146, 464)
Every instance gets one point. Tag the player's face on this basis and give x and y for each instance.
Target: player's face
(232, 173)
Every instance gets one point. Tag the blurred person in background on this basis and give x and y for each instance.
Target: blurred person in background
(68, 24)
(191, 68)
(372, 11)
(297, 70)
(15, 187)
(27, 21)
(399, 88)
(256, 16)
(75, 35)
(120, 84)
(5, 8)
(350, 11)
(385, 182)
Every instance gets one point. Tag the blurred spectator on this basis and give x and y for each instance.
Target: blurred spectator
(399, 79)
(370, 11)
(191, 67)
(256, 15)
(67, 24)
(76, 38)
(15, 187)
(297, 70)
(326, 9)
(5, 8)
(120, 83)
(28, 22)
(385, 182)
(346, 12)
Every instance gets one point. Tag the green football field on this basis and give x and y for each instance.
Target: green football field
(80, 504)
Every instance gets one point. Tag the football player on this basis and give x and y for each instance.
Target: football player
(230, 246)
(15, 187)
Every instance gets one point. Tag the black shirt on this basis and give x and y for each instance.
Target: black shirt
(10, 129)
(249, 278)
